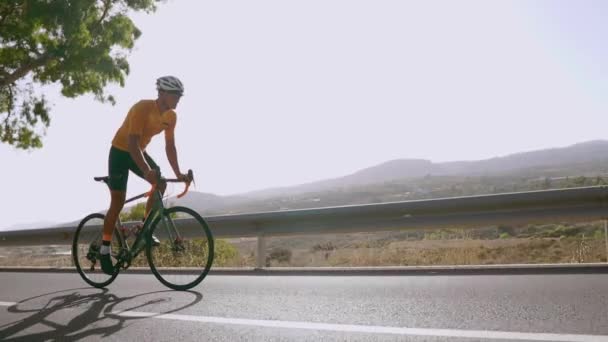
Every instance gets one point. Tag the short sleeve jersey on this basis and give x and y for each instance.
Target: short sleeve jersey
(144, 119)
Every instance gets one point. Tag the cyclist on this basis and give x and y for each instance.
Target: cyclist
(145, 119)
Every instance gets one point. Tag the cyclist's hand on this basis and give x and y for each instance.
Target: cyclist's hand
(184, 178)
(151, 176)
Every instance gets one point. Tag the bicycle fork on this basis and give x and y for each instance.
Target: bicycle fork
(177, 242)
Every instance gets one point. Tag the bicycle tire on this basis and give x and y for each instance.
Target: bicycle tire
(155, 265)
(76, 255)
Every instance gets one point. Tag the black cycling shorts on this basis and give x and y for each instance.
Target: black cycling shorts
(119, 164)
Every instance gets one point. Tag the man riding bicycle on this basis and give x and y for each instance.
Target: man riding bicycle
(145, 119)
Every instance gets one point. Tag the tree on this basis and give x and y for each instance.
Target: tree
(136, 213)
(81, 44)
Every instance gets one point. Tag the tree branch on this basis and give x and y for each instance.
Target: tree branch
(6, 15)
(25, 69)
(9, 112)
(107, 5)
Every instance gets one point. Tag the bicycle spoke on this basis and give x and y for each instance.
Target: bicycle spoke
(86, 251)
(185, 254)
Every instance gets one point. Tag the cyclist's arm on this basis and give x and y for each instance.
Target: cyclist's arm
(171, 150)
(137, 154)
(137, 119)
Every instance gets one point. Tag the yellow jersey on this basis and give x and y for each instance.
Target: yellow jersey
(144, 119)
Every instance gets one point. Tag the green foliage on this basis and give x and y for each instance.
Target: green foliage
(280, 255)
(22, 121)
(224, 253)
(562, 231)
(508, 230)
(505, 236)
(324, 246)
(136, 213)
(195, 254)
(432, 236)
(81, 44)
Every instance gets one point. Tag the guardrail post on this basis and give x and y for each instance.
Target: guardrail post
(261, 255)
(606, 237)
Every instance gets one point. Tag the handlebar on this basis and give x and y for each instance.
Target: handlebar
(190, 179)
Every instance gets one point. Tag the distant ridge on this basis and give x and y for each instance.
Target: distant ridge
(590, 157)
(586, 152)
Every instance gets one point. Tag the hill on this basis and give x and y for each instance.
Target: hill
(408, 179)
(589, 156)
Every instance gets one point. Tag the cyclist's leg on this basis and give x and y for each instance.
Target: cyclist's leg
(117, 202)
(160, 187)
(118, 170)
(119, 174)
(138, 172)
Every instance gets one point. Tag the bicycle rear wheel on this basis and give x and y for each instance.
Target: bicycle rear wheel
(185, 254)
(86, 251)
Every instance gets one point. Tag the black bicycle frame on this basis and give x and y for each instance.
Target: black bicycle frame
(139, 243)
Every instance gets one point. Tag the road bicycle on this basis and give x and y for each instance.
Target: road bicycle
(182, 259)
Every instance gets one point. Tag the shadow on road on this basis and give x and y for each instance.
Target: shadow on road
(90, 314)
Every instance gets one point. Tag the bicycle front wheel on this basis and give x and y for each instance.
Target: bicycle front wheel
(86, 251)
(185, 254)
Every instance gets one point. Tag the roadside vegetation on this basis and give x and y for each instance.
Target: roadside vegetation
(531, 244)
(526, 244)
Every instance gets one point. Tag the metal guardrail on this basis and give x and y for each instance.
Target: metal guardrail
(550, 206)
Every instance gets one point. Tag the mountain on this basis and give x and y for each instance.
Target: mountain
(395, 169)
(586, 152)
(592, 154)
(31, 225)
(210, 202)
(406, 179)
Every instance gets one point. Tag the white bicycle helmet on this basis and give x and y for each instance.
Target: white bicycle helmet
(170, 84)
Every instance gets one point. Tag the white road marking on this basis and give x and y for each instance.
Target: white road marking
(371, 329)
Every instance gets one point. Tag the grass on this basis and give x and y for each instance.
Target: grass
(382, 252)
(366, 249)
(370, 250)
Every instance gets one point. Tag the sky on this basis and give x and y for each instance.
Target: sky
(281, 93)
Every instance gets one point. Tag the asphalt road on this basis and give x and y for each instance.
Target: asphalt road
(551, 307)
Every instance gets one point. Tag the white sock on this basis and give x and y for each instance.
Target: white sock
(105, 249)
